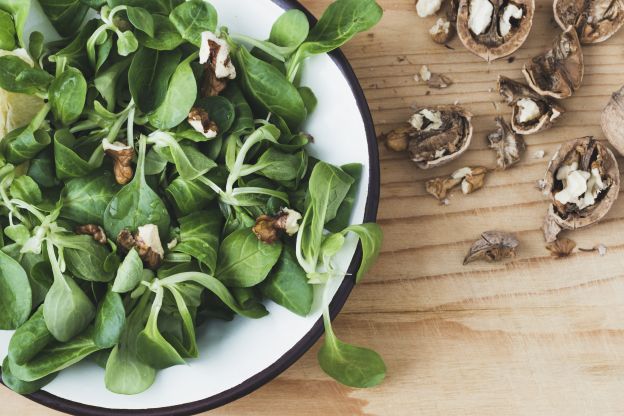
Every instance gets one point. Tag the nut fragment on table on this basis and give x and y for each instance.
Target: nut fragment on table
(583, 182)
(558, 72)
(471, 179)
(435, 135)
(493, 246)
(531, 112)
(595, 21)
(442, 31)
(493, 29)
(508, 145)
(561, 247)
(612, 121)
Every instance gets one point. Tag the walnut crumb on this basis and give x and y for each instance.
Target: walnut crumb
(561, 247)
(93, 230)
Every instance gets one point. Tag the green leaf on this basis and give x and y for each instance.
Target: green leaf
(68, 163)
(125, 373)
(18, 233)
(199, 236)
(269, 89)
(287, 284)
(109, 321)
(343, 215)
(65, 15)
(15, 293)
(20, 386)
(19, 9)
(153, 349)
(189, 196)
(193, 17)
(351, 365)
(244, 260)
(86, 261)
(166, 36)
(36, 45)
(189, 161)
(68, 94)
(141, 19)
(148, 77)
(42, 168)
(29, 339)
(129, 274)
(371, 237)
(127, 43)
(76, 51)
(179, 99)
(18, 76)
(85, 199)
(67, 310)
(290, 29)
(25, 143)
(26, 189)
(340, 22)
(56, 357)
(243, 121)
(136, 204)
(7, 31)
(107, 80)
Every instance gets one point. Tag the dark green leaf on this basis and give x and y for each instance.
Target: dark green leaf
(244, 260)
(109, 320)
(65, 15)
(148, 77)
(129, 274)
(15, 293)
(67, 95)
(68, 163)
(19, 386)
(7, 31)
(67, 310)
(166, 36)
(29, 339)
(199, 236)
(141, 19)
(87, 261)
(85, 199)
(193, 17)
(343, 215)
(26, 189)
(287, 284)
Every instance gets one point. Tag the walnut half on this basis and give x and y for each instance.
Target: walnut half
(122, 156)
(583, 182)
(493, 246)
(435, 136)
(530, 111)
(493, 29)
(595, 20)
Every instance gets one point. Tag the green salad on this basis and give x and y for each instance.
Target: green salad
(154, 176)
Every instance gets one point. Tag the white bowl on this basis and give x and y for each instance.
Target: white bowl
(239, 356)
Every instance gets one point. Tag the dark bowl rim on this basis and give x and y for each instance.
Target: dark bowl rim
(290, 357)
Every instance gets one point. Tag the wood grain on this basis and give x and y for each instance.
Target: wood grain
(535, 336)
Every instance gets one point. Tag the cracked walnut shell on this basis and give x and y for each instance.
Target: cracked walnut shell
(595, 20)
(558, 72)
(611, 121)
(508, 145)
(530, 111)
(493, 29)
(583, 182)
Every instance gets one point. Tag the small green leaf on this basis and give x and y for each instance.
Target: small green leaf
(129, 274)
(141, 19)
(109, 320)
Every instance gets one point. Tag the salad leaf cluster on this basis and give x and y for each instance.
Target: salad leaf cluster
(151, 193)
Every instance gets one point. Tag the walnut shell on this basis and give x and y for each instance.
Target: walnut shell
(491, 44)
(588, 153)
(611, 121)
(595, 20)
(513, 92)
(558, 72)
(439, 146)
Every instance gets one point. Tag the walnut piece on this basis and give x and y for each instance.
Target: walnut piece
(583, 182)
(439, 81)
(93, 230)
(397, 139)
(508, 145)
(470, 179)
(493, 246)
(531, 112)
(122, 156)
(558, 72)
(561, 247)
(200, 120)
(493, 29)
(442, 31)
(147, 243)
(595, 20)
(218, 68)
(426, 8)
(268, 228)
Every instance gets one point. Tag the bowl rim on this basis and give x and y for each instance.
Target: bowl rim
(304, 344)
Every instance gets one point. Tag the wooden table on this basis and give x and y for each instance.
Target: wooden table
(535, 336)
